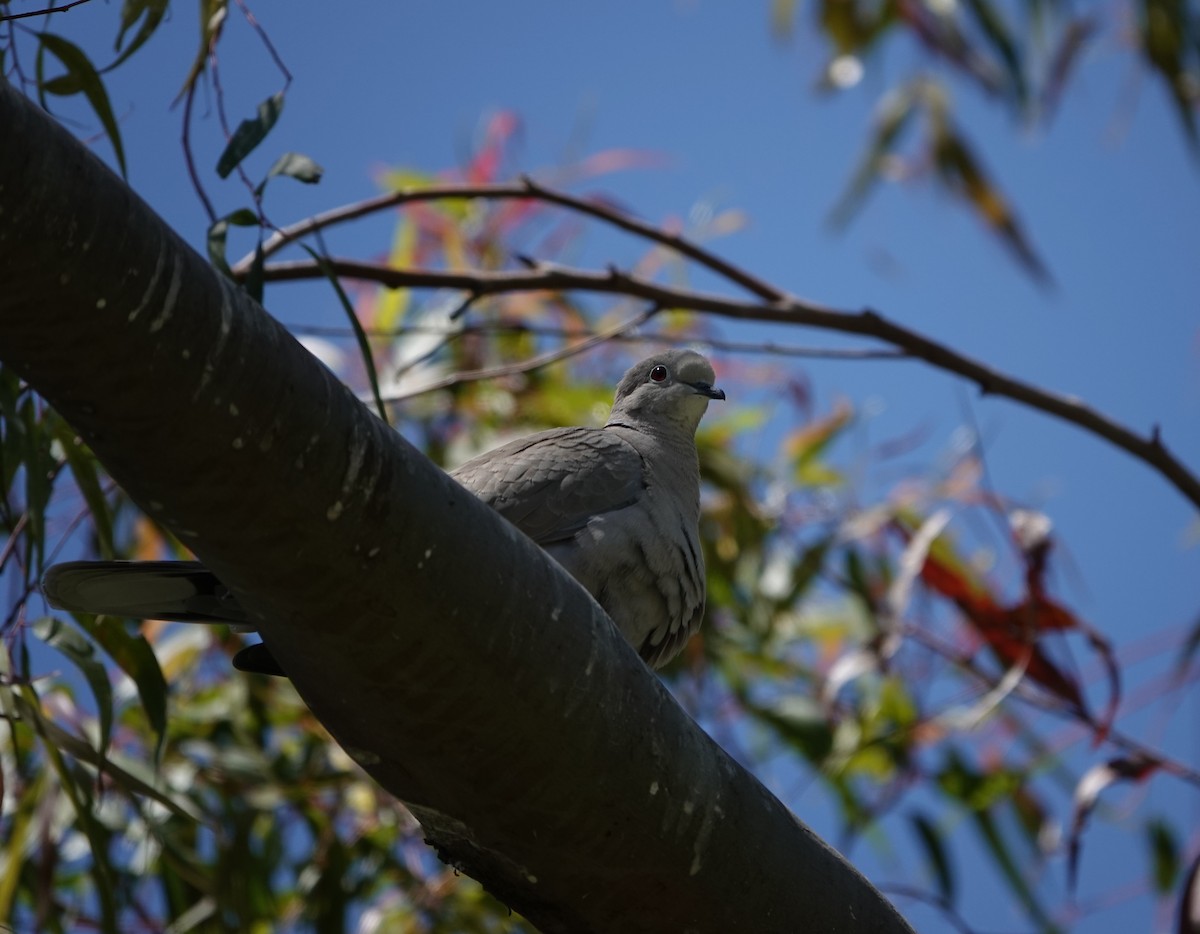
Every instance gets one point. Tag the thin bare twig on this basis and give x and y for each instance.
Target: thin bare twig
(526, 189)
(45, 12)
(189, 158)
(266, 41)
(533, 363)
(786, 309)
(767, 348)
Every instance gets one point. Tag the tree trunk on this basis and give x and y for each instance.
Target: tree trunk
(467, 673)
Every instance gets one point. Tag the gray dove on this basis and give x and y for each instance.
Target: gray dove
(618, 507)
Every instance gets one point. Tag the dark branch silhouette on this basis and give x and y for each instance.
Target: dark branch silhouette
(785, 308)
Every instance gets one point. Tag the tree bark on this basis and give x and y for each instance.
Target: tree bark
(464, 670)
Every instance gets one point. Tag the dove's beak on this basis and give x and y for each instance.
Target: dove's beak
(706, 389)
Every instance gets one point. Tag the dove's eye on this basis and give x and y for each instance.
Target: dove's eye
(659, 373)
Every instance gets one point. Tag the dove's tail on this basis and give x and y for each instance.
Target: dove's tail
(183, 591)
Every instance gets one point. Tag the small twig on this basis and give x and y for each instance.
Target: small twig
(266, 41)
(767, 348)
(786, 309)
(533, 363)
(937, 901)
(45, 12)
(14, 536)
(526, 189)
(188, 157)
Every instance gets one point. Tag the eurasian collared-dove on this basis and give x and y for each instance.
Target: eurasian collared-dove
(617, 506)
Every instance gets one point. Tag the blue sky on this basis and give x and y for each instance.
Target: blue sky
(1108, 194)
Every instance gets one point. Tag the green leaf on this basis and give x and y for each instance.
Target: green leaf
(980, 794)
(136, 658)
(963, 175)
(1164, 33)
(1164, 855)
(20, 837)
(84, 468)
(998, 34)
(249, 134)
(131, 12)
(294, 165)
(130, 774)
(101, 868)
(894, 114)
(82, 654)
(935, 852)
(85, 78)
(219, 231)
(40, 469)
(213, 14)
(364, 345)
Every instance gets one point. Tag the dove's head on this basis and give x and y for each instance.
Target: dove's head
(671, 388)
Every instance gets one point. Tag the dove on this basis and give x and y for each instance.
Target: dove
(618, 507)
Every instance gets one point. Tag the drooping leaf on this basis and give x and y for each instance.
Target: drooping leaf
(131, 11)
(1164, 855)
(932, 842)
(100, 864)
(1167, 31)
(40, 472)
(991, 23)
(294, 165)
(963, 174)
(249, 134)
(213, 14)
(807, 445)
(133, 776)
(1066, 56)
(485, 165)
(364, 345)
(219, 232)
(136, 658)
(83, 77)
(893, 115)
(84, 468)
(981, 793)
(82, 654)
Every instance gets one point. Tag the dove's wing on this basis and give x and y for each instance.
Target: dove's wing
(550, 484)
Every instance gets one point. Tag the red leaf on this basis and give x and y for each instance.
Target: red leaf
(486, 164)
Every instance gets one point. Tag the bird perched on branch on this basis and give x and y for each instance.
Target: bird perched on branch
(618, 507)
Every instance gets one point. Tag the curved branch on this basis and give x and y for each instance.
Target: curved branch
(786, 309)
(526, 189)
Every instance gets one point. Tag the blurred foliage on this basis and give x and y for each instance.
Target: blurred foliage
(897, 647)
(1021, 55)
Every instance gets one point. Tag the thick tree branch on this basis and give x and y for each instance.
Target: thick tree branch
(450, 657)
(786, 309)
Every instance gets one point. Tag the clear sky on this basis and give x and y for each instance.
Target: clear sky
(1108, 193)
